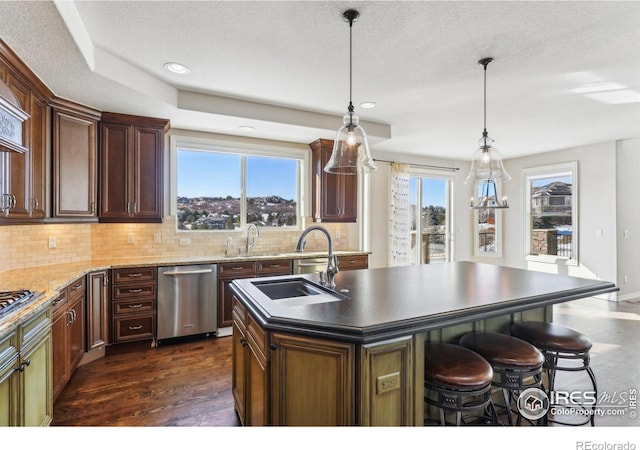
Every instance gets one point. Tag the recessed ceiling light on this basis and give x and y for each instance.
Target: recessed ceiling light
(176, 68)
(247, 128)
(368, 105)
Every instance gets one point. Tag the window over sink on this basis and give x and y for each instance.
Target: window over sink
(227, 188)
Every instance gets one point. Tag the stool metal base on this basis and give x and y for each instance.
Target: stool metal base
(461, 401)
(512, 381)
(551, 365)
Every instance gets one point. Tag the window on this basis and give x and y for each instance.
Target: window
(488, 229)
(551, 212)
(223, 190)
(430, 220)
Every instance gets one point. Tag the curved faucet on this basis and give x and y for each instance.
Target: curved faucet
(332, 264)
(250, 245)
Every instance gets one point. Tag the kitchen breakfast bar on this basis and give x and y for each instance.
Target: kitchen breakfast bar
(354, 355)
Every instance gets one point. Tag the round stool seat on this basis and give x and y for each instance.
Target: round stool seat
(456, 367)
(551, 336)
(503, 350)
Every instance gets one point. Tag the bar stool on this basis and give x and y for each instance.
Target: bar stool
(557, 342)
(460, 380)
(516, 364)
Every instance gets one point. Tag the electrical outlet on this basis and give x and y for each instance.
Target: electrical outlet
(625, 279)
(53, 243)
(599, 233)
(157, 238)
(185, 241)
(131, 238)
(627, 234)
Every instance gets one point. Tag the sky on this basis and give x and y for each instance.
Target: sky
(433, 191)
(198, 177)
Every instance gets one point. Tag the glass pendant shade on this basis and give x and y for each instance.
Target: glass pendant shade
(486, 164)
(350, 153)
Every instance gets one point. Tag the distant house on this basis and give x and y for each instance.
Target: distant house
(553, 197)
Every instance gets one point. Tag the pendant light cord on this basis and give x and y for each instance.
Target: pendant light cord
(350, 64)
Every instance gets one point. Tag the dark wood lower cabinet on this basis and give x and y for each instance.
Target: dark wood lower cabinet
(133, 304)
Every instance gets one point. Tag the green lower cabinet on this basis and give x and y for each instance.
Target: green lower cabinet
(36, 383)
(26, 394)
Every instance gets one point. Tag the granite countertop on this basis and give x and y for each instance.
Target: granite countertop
(392, 302)
(48, 280)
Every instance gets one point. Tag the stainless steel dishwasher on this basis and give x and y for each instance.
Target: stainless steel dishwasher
(187, 300)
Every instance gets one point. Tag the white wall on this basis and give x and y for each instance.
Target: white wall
(628, 209)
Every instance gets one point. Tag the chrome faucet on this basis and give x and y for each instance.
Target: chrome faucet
(332, 264)
(227, 247)
(253, 241)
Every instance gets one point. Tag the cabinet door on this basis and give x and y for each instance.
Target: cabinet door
(76, 331)
(60, 350)
(312, 381)
(39, 115)
(19, 163)
(97, 310)
(74, 165)
(114, 171)
(239, 370)
(36, 383)
(334, 197)
(9, 394)
(147, 171)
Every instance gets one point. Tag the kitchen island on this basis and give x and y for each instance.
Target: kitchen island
(358, 358)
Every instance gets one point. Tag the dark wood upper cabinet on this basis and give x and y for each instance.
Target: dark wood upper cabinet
(334, 198)
(74, 160)
(23, 178)
(131, 168)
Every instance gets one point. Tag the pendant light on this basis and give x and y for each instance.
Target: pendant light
(350, 153)
(486, 164)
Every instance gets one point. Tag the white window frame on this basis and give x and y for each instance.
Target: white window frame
(421, 172)
(553, 170)
(477, 252)
(242, 149)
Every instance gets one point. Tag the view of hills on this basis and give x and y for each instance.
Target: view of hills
(218, 213)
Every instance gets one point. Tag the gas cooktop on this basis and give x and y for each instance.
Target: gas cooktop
(9, 300)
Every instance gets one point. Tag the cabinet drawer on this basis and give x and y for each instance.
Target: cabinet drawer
(134, 328)
(34, 326)
(76, 289)
(274, 267)
(130, 291)
(353, 262)
(133, 306)
(232, 270)
(133, 275)
(239, 312)
(60, 302)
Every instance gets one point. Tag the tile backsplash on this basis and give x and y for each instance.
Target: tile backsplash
(23, 246)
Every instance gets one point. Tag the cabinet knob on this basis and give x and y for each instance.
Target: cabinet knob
(274, 346)
(244, 342)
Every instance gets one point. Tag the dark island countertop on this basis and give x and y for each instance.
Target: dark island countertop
(391, 302)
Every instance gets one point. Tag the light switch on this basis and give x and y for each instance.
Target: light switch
(599, 233)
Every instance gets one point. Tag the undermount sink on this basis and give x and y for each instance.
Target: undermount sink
(296, 292)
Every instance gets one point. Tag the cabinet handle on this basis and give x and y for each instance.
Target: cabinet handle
(244, 342)
(14, 202)
(23, 365)
(274, 346)
(134, 275)
(74, 316)
(135, 291)
(35, 203)
(237, 268)
(137, 327)
(93, 207)
(70, 319)
(135, 208)
(76, 287)
(274, 266)
(137, 305)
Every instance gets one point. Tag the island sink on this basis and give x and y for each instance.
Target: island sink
(296, 292)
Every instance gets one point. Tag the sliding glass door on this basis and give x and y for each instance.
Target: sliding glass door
(430, 200)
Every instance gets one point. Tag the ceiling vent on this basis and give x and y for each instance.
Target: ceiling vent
(12, 118)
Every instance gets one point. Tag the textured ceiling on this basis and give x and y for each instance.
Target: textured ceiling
(282, 67)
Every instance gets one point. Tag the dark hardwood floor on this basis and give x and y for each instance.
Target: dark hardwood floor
(189, 383)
